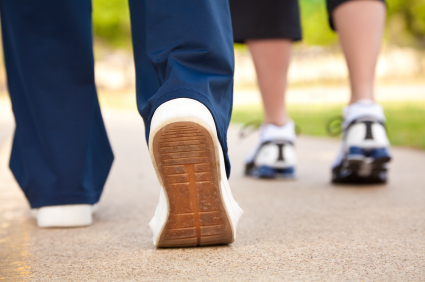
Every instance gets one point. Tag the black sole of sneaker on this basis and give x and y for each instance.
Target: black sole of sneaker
(361, 172)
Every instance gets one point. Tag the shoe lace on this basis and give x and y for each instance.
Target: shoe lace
(249, 127)
(334, 125)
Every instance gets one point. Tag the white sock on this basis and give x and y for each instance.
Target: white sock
(361, 108)
(270, 132)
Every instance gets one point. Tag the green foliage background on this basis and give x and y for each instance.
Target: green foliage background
(111, 22)
(406, 23)
(315, 23)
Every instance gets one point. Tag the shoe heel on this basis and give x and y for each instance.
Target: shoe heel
(185, 158)
(64, 216)
(381, 155)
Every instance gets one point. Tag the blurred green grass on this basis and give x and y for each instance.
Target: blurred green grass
(405, 120)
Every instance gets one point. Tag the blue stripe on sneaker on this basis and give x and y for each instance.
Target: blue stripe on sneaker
(380, 153)
(356, 151)
(376, 153)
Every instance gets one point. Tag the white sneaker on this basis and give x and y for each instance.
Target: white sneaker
(64, 215)
(275, 156)
(365, 147)
(196, 206)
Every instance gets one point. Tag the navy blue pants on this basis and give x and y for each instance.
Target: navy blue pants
(61, 153)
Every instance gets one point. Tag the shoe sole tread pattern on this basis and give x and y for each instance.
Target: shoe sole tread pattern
(185, 156)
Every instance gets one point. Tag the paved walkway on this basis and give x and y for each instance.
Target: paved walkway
(292, 230)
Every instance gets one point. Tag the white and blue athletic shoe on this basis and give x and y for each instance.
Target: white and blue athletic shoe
(364, 154)
(275, 156)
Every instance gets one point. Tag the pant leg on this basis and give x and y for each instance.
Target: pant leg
(265, 19)
(184, 49)
(332, 4)
(61, 153)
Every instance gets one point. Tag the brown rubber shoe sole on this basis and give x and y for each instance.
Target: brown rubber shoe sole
(186, 161)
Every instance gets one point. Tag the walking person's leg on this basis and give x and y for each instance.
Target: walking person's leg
(360, 26)
(269, 28)
(184, 69)
(61, 155)
(271, 59)
(364, 154)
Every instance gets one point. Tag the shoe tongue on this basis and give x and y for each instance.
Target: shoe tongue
(271, 132)
(362, 108)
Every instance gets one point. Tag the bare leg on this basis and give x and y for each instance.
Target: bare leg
(360, 25)
(271, 59)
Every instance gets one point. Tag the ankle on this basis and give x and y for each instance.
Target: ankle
(362, 95)
(277, 121)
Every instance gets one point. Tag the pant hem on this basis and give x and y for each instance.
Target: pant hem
(63, 199)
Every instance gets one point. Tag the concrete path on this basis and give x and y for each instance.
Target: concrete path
(304, 230)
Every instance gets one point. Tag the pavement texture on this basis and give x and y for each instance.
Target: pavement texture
(305, 229)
